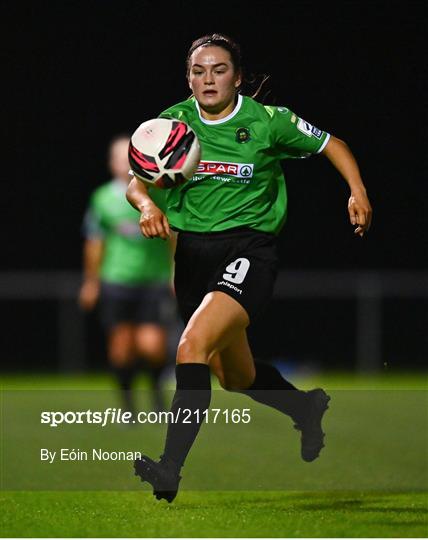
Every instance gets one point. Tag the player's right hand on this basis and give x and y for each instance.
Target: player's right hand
(154, 223)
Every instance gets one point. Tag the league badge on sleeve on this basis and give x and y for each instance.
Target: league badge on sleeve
(308, 129)
(316, 132)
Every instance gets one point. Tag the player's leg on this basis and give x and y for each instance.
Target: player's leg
(151, 345)
(266, 386)
(121, 355)
(253, 275)
(212, 327)
(234, 365)
(116, 312)
(154, 312)
(237, 371)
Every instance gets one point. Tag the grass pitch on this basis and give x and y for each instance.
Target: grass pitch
(382, 492)
(214, 514)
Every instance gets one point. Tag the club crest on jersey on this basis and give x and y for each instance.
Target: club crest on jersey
(243, 135)
(238, 170)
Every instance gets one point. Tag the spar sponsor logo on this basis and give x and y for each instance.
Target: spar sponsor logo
(237, 170)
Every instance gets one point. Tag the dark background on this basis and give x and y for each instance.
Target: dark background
(77, 73)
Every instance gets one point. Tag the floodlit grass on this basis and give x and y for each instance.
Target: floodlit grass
(240, 481)
(336, 380)
(214, 514)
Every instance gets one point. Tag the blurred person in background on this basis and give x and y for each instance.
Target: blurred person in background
(128, 277)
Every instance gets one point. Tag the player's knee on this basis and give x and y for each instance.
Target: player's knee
(192, 349)
(150, 342)
(153, 353)
(120, 347)
(120, 355)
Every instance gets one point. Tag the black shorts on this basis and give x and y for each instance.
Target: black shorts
(135, 304)
(240, 262)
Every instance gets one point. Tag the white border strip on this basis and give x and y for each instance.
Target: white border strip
(221, 120)
(324, 144)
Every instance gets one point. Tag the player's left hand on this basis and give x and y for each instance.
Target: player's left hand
(360, 212)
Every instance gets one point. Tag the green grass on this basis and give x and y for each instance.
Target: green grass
(214, 514)
(387, 379)
(370, 481)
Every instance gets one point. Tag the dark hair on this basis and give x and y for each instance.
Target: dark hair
(217, 40)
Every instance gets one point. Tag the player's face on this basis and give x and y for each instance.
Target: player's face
(213, 80)
(119, 164)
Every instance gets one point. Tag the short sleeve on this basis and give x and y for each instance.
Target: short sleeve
(183, 111)
(172, 114)
(166, 114)
(294, 137)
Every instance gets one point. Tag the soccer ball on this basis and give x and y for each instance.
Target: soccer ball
(164, 153)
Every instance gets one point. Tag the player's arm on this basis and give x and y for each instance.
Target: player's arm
(93, 250)
(173, 247)
(359, 208)
(153, 221)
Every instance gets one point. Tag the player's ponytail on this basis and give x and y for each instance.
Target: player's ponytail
(255, 86)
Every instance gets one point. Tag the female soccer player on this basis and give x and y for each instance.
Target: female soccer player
(130, 276)
(228, 217)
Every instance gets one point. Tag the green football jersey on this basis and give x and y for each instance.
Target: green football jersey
(239, 181)
(129, 258)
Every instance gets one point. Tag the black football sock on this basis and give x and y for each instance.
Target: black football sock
(155, 373)
(193, 393)
(125, 376)
(270, 388)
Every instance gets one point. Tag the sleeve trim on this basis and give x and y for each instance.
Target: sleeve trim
(324, 144)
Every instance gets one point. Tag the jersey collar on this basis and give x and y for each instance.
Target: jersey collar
(221, 120)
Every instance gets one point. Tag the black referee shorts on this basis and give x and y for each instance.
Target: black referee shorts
(239, 262)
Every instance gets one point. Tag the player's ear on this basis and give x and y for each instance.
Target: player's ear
(238, 81)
